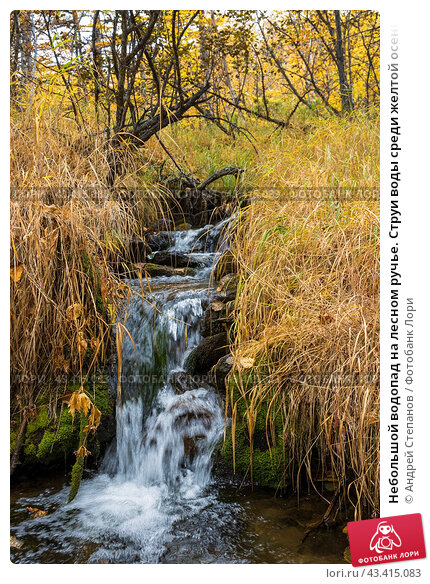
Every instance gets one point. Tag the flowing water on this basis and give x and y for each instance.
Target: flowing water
(155, 499)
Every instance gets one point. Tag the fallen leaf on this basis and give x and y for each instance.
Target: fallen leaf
(37, 512)
(16, 272)
(15, 543)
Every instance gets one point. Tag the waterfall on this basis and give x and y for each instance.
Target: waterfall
(155, 479)
(164, 438)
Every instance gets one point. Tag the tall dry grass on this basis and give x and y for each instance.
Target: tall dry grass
(307, 314)
(69, 234)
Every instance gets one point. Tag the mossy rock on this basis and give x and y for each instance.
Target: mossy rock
(51, 439)
(60, 440)
(268, 463)
(157, 270)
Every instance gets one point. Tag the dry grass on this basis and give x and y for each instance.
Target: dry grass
(307, 312)
(307, 316)
(67, 233)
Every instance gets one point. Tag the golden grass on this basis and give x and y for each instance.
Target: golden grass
(68, 233)
(307, 314)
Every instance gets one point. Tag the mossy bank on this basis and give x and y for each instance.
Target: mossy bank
(262, 462)
(52, 433)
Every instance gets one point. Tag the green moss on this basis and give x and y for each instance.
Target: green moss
(103, 399)
(78, 467)
(77, 471)
(13, 437)
(268, 464)
(59, 441)
(41, 421)
(48, 439)
(30, 452)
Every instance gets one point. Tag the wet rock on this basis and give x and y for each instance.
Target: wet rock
(186, 419)
(159, 241)
(176, 260)
(228, 282)
(206, 354)
(191, 447)
(222, 369)
(157, 270)
(164, 224)
(183, 227)
(226, 288)
(138, 249)
(182, 382)
(217, 318)
(226, 264)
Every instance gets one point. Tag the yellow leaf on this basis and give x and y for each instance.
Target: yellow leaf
(79, 402)
(82, 451)
(246, 362)
(95, 416)
(74, 311)
(16, 272)
(73, 404)
(89, 428)
(15, 543)
(85, 403)
(37, 512)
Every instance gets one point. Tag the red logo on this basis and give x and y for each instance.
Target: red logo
(388, 539)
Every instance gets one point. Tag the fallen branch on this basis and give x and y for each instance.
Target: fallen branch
(229, 170)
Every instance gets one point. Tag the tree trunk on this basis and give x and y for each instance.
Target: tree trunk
(345, 90)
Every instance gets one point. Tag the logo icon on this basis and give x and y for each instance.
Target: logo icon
(385, 538)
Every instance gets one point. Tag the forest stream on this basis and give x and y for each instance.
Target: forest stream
(156, 498)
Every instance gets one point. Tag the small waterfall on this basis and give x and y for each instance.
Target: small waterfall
(165, 438)
(153, 493)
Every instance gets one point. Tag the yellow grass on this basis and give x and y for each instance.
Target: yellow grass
(307, 311)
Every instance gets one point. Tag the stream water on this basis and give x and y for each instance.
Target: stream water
(155, 499)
